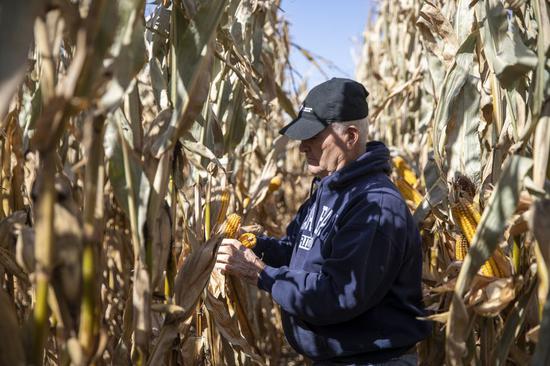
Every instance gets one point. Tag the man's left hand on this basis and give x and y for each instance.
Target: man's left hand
(236, 259)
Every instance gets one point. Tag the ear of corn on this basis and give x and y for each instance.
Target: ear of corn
(466, 217)
(248, 240)
(224, 204)
(408, 192)
(231, 226)
(490, 268)
(461, 247)
(405, 171)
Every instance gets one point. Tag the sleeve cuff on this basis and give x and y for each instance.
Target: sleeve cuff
(259, 247)
(267, 278)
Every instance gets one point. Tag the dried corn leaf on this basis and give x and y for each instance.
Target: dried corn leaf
(191, 61)
(508, 56)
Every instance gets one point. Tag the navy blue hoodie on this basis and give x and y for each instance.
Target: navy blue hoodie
(347, 274)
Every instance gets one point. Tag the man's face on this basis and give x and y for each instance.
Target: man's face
(325, 152)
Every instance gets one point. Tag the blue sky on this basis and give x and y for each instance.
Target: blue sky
(328, 28)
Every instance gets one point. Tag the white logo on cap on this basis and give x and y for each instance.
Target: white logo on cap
(307, 109)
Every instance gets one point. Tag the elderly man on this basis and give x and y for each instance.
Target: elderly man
(347, 274)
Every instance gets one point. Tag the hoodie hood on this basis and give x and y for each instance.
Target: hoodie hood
(376, 159)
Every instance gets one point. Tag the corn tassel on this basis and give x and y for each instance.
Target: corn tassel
(405, 171)
(408, 192)
(248, 240)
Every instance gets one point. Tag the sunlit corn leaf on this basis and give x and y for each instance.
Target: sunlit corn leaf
(506, 52)
(439, 36)
(463, 144)
(463, 19)
(436, 191)
(513, 324)
(259, 190)
(450, 91)
(236, 118)
(100, 33)
(191, 59)
(493, 297)
(32, 107)
(158, 82)
(113, 152)
(229, 327)
(133, 196)
(128, 48)
(203, 151)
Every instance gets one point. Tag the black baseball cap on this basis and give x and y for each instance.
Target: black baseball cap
(335, 100)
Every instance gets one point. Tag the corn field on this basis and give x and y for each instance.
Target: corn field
(130, 146)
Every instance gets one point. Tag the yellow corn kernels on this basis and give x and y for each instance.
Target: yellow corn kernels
(461, 247)
(490, 268)
(224, 204)
(466, 217)
(405, 171)
(408, 192)
(248, 240)
(231, 226)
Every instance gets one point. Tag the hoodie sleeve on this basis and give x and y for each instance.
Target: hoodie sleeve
(277, 252)
(358, 273)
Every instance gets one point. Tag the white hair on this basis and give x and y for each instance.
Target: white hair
(361, 124)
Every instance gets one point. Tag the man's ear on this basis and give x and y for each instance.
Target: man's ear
(352, 136)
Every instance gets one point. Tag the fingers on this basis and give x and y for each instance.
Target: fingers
(231, 242)
(221, 266)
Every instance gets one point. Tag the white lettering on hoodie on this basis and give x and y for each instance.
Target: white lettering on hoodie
(326, 213)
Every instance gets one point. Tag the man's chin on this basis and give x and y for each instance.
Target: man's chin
(315, 170)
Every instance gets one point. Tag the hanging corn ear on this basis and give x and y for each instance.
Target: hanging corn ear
(224, 204)
(231, 226)
(408, 192)
(405, 171)
(461, 247)
(466, 217)
(248, 240)
(490, 268)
